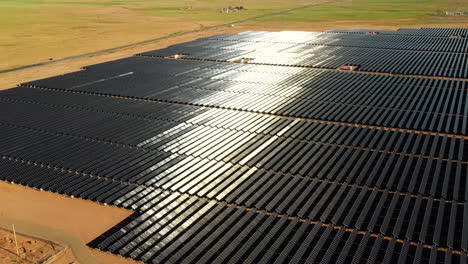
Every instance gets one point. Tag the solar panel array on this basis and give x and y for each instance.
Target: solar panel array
(227, 160)
(426, 32)
(392, 42)
(369, 53)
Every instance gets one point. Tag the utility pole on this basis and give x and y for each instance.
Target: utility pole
(16, 240)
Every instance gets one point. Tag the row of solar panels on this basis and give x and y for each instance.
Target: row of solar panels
(318, 85)
(171, 228)
(103, 154)
(144, 130)
(188, 230)
(271, 40)
(453, 65)
(383, 100)
(426, 32)
(61, 180)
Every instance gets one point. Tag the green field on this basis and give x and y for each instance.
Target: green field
(400, 12)
(34, 31)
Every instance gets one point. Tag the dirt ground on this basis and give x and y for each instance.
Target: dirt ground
(69, 222)
(30, 250)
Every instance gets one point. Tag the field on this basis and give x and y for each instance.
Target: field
(35, 31)
(379, 12)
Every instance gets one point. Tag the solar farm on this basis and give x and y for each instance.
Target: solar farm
(344, 146)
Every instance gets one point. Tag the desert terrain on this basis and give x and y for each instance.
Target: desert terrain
(70, 223)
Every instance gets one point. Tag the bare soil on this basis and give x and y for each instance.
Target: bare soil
(69, 222)
(30, 250)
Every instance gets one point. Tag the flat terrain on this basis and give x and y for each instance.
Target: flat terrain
(66, 221)
(35, 31)
(401, 13)
(30, 250)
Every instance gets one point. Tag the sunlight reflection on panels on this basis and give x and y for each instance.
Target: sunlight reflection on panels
(207, 141)
(266, 144)
(182, 142)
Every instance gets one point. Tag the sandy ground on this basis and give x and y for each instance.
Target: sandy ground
(65, 221)
(30, 250)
